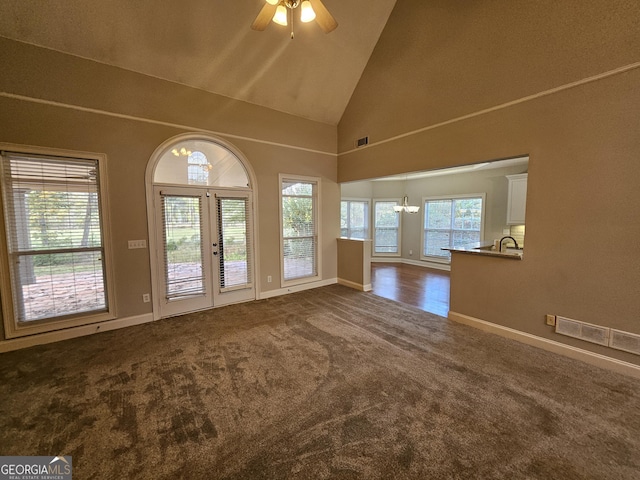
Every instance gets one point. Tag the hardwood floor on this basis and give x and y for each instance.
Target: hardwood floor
(425, 288)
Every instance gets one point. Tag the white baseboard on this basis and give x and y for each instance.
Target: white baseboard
(570, 351)
(296, 288)
(357, 286)
(428, 264)
(66, 334)
(386, 259)
(418, 263)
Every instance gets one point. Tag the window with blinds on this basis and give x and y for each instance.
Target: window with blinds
(234, 243)
(386, 226)
(354, 218)
(299, 200)
(54, 231)
(183, 249)
(451, 222)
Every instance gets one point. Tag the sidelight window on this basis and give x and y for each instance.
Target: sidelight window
(299, 200)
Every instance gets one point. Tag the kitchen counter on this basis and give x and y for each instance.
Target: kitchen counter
(486, 249)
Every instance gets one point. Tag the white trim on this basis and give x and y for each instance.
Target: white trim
(134, 118)
(501, 106)
(427, 264)
(296, 288)
(418, 263)
(58, 335)
(11, 328)
(586, 356)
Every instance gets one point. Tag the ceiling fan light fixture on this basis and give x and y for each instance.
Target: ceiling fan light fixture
(277, 11)
(306, 12)
(280, 17)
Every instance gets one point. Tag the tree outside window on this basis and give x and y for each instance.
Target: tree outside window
(299, 229)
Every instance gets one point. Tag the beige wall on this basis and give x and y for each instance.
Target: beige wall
(130, 116)
(436, 75)
(354, 263)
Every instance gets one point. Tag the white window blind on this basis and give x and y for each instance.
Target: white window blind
(234, 243)
(386, 238)
(354, 219)
(299, 229)
(451, 222)
(54, 236)
(183, 249)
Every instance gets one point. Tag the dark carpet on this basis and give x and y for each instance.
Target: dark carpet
(327, 383)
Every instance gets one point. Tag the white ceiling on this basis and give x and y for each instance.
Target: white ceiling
(209, 44)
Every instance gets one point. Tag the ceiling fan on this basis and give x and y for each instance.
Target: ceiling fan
(279, 10)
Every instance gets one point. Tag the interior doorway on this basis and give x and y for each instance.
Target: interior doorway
(201, 226)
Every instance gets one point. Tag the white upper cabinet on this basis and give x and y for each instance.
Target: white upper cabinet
(517, 199)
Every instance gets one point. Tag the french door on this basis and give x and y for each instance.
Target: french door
(205, 248)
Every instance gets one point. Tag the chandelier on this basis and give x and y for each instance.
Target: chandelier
(405, 207)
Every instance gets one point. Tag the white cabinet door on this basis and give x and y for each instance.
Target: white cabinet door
(517, 199)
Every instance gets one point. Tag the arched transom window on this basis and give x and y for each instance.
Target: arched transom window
(200, 162)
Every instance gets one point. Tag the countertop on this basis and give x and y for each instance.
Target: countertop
(486, 249)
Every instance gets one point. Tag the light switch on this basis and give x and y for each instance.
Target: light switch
(137, 244)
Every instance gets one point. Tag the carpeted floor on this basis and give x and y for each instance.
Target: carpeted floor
(327, 383)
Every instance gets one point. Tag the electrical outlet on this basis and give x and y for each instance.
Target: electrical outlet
(410, 252)
(551, 320)
(269, 278)
(146, 298)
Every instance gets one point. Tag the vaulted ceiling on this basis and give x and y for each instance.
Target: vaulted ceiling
(208, 44)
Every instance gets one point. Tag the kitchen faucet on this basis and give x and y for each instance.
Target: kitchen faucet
(504, 238)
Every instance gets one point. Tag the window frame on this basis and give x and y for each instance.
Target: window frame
(447, 258)
(316, 202)
(15, 329)
(397, 201)
(367, 229)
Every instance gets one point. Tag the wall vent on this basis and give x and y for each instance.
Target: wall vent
(629, 342)
(582, 330)
(361, 142)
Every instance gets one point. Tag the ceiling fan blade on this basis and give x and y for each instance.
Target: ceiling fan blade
(323, 17)
(264, 17)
